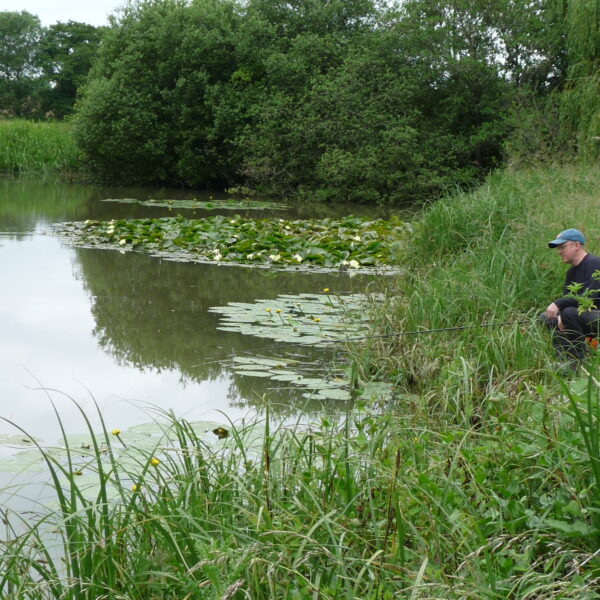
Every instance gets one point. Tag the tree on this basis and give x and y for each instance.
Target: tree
(344, 99)
(66, 53)
(20, 33)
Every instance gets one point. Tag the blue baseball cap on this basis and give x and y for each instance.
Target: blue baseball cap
(568, 235)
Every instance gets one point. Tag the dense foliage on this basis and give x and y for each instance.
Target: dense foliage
(343, 99)
(346, 100)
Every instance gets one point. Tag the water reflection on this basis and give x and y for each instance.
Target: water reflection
(153, 314)
(27, 204)
(134, 330)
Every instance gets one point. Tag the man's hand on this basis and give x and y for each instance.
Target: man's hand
(561, 325)
(552, 311)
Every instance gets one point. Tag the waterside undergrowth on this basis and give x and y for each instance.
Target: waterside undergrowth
(44, 147)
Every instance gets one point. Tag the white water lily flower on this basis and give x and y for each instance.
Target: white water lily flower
(357, 238)
(250, 256)
(275, 257)
(297, 258)
(217, 254)
(87, 222)
(232, 221)
(122, 242)
(353, 264)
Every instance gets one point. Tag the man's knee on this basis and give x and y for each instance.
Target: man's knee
(570, 316)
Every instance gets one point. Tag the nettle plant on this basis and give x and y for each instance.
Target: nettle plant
(585, 297)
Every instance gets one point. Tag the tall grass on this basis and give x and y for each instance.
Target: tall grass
(381, 505)
(38, 147)
(481, 258)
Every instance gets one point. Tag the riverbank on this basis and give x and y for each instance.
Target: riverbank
(476, 482)
(40, 147)
(482, 258)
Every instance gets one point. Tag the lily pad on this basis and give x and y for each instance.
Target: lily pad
(223, 204)
(334, 394)
(254, 373)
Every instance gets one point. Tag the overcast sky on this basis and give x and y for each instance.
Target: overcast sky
(94, 12)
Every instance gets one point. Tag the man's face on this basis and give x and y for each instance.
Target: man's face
(568, 251)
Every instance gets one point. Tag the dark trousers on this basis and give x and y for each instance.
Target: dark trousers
(570, 342)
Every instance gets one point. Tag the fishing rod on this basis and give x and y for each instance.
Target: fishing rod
(372, 337)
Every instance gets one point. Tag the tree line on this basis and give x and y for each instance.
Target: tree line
(41, 68)
(334, 99)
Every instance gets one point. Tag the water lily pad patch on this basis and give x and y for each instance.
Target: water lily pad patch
(305, 318)
(227, 204)
(291, 318)
(354, 244)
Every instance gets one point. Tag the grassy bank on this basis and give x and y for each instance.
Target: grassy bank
(38, 147)
(482, 258)
(481, 480)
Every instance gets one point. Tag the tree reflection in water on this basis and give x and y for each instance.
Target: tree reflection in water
(153, 314)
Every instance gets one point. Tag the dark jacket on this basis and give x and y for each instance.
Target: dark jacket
(582, 273)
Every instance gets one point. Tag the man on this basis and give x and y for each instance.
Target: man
(563, 314)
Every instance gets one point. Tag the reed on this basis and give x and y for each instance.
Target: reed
(382, 504)
(38, 147)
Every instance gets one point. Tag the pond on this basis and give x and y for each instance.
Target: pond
(129, 331)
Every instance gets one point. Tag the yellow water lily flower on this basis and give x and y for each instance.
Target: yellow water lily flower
(116, 432)
(326, 290)
(154, 461)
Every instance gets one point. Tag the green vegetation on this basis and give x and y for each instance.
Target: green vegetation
(480, 258)
(30, 147)
(351, 243)
(342, 100)
(41, 68)
(479, 479)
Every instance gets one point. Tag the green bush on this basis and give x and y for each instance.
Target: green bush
(364, 102)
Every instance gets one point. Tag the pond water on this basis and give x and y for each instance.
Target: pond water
(129, 331)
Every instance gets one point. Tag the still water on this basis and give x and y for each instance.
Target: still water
(131, 332)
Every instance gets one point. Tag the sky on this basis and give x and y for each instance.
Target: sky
(94, 12)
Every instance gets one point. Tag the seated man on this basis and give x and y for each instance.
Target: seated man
(569, 325)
